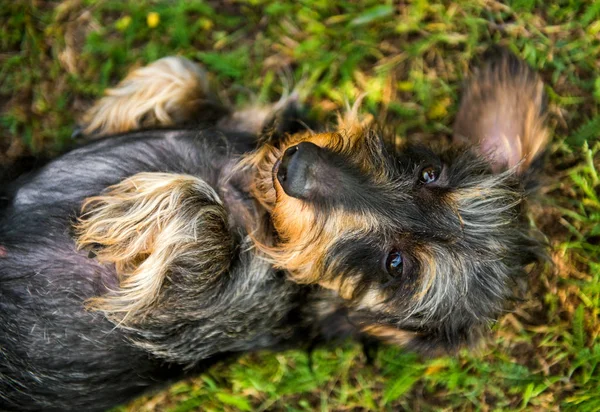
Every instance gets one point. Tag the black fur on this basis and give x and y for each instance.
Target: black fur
(56, 356)
(464, 240)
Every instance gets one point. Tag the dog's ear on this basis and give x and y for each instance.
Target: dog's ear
(155, 228)
(502, 112)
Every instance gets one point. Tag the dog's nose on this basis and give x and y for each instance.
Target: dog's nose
(298, 168)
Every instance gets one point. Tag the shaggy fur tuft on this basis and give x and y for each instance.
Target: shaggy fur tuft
(201, 241)
(167, 92)
(149, 226)
(503, 113)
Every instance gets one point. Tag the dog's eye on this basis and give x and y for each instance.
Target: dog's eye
(429, 175)
(394, 263)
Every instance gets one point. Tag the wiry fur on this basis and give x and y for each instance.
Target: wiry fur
(503, 112)
(198, 250)
(150, 226)
(465, 236)
(59, 356)
(166, 92)
(174, 91)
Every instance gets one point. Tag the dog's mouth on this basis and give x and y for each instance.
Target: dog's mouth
(275, 169)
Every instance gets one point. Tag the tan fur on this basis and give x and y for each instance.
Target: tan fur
(146, 225)
(352, 121)
(501, 112)
(163, 93)
(260, 163)
(302, 239)
(389, 334)
(374, 300)
(428, 273)
(254, 118)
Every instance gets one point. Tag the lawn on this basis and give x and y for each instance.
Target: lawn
(410, 57)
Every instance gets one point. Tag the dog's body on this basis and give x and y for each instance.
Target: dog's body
(56, 355)
(184, 254)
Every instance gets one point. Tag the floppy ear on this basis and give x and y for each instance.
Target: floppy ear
(502, 112)
(155, 227)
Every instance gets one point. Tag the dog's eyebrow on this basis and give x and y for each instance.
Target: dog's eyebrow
(416, 154)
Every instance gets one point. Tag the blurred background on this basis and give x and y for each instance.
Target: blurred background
(410, 57)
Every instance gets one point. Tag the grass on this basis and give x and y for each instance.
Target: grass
(57, 56)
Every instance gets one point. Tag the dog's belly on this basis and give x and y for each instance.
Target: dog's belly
(55, 355)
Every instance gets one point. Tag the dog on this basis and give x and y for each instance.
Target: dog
(149, 254)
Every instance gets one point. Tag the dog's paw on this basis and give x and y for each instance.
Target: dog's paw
(169, 91)
(156, 228)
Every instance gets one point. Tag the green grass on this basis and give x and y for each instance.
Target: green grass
(56, 57)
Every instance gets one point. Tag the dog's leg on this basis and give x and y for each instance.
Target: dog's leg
(187, 287)
(174, 91)
(270, 123)
(502, 112)
(170, 91)
(155, 228)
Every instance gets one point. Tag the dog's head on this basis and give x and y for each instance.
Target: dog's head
(425, 244)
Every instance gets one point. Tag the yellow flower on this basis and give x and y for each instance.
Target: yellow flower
(153, 19)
